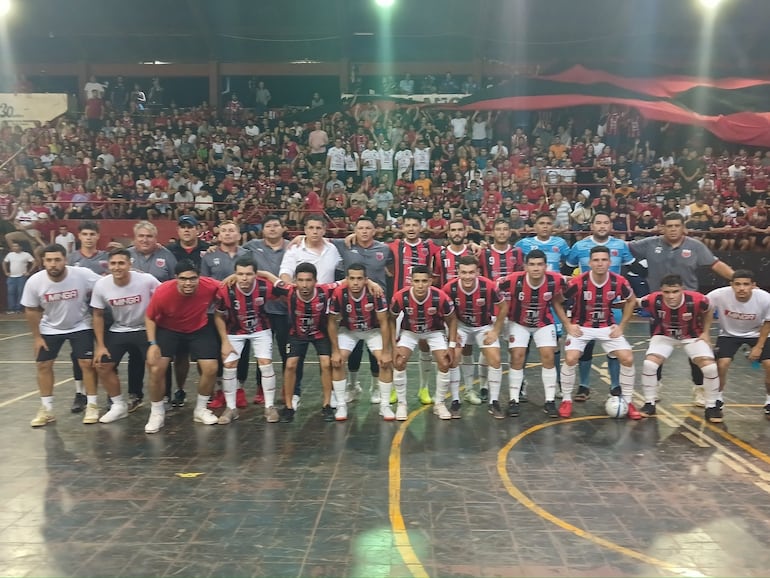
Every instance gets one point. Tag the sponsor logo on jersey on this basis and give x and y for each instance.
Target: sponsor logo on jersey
(125, 301)
(61, 296)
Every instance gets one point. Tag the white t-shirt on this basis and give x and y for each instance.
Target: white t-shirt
(64, 303)
(127, 303)
(403, 160)
(422, 159)
(17, 263)
(369, 158)
(26, 218)
(738, 319)
(386, 159)
(336, 157)
(67, 241)
(459, 126)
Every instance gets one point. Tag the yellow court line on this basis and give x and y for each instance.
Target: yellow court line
(30, 394)
(400, 534)
(502, 470)
(15, 336)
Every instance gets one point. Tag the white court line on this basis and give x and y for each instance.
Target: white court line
(30, 394)
(15, 336)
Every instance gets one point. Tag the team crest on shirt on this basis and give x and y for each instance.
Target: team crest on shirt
(369, 307)
(319, 306)
(658, 250)
(587, 295)
(408, 310)
(611, 295)
(379, 256)
(686, 253)
(555, 249)
(481, 302)
(216, 261)
(160, 262)
(547, 296)
(104, 264)
(259, 300)
(432, 310)
(614, 252)
(686, 316)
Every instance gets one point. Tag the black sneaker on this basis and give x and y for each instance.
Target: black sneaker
(134, 403)
(513, 408)
(495, 410)
(714, 415)
(328, 413)
(767, 411)
(720, 404)
(287, 415)
(454, 409)
(550, 409)
(616, 391)
(523, 397)
(583, 393)
(79, 403)
(179, 397)
(484, 395)
(648, 410)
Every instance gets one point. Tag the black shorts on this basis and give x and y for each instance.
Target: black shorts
(728, 346)
(202, 344)
(81, 342)
(298, 347)
(120, 343)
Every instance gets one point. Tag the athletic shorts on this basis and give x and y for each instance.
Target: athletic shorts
(202, 344)
(663, 345)
(298, 347)
(436, 340)
(81, 342)
(467, 335)
(120, 343)
(347, 339)
(728, 346)
(600, 334)
(519, 336)
(261, 345)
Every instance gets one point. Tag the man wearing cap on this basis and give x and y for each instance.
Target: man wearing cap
(188, 245)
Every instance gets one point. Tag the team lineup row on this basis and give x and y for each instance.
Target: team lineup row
(163, 321)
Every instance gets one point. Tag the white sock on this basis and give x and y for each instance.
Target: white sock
(338, 387)
(494, 379)
(649, 380)
(711, 384)
(158, 407)
(229, 385)
(515, 379)
(467, 371)
(548, 375)
(202, 401)
(442, 385)
(767, 399)
(268, 383)
(79, 387)
(399, 382)
(483, 370)
(567, 381)
(385, 389)
(92, 399)
(454, 382)
(426, 364)
(352, 380)
(47, 401)
(118, 399)
(627, 375)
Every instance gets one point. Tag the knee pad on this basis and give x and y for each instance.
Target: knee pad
(710, 371)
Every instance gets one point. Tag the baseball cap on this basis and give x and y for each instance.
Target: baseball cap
(586, 193)
(187, 220)
(42, 215)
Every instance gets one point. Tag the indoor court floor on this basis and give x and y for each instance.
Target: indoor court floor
(526, 496)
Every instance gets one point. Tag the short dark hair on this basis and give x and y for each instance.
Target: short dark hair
(671, 280)
(273, 217)
(535, 254)
(598, 213)
(245, 261)
(306, 268)
(599, 249)
(468, 260)
(412, 215)
(54, 248)
(743, 274)
(501, 220)
(543, 215)
(88, 226)
(120, 251)
(421, 269)
(315, 217)
(357, 267)
(186, 265)
(673, 216)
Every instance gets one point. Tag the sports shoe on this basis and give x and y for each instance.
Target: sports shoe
(79, 403)
(116, 412)
(720, 404)
(287, 415)
(767, 411)
(295, 399)
(154, 423)
(714, 415)
(166, 403)
(495, 410)
(352, 394)
(550, 409)
(240, 398)
(484, 394)
(342, 413)
(454, 409)
(699, 396)
(205, 415)
(513, 409)
(387, 413)
(91, 415)
(179, 397)
(271, 415)
(135, 402)
(440, 411)
(616, 391)
(583, 393)
(633, 413)
(327, 412)
(43, 417)
(376, 397)
(523, 397)
(228, 416)
(402, 413)
(393, 396)
(565, 408)
(259, 399)
(648, 410)
(217, 400)
(472, 397)
(424, 395)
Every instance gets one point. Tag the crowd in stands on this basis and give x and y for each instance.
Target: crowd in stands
(120, 160)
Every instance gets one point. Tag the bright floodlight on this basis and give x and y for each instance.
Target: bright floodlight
(5, 7)
(384, 3)
(710, 4)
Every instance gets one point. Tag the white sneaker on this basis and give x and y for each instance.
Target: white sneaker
(295, 399)
(205, 415)
(352, 394)
(472, 397)
(117, 411)
(228, 416)
(387, 413)
(91, 414)
(402, 413)
(342, 412)
(699, 395)
(441, 411)
(155, 422)
(43, 417)
(376, 396)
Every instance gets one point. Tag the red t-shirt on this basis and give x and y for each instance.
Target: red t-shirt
(171, 310)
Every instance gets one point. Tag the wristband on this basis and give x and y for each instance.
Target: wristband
(452, 344)
(151, 343)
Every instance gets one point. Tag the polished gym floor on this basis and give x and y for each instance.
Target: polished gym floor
(526, 496)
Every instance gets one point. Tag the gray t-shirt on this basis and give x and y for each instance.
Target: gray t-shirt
(219, 264)
(375, 258)
(268, 259)
(98, 262)
(663, 259)
(160, 263)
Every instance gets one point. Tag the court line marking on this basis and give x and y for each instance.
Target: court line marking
(15, 336)
(519, 496)
(31, 393)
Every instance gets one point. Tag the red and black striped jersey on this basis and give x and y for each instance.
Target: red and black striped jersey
(477, 308)
(531, 306)
(245, 312)
(593, 303)
(682, 322)
(357, 314)
(406, 256)
(447, 263)
(307, 319)
(422, 316)
(496, 264)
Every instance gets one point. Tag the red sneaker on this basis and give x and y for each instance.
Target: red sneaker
(565, 409)
(218, 401)
(240, 398)
(259, 399)
(633, 413)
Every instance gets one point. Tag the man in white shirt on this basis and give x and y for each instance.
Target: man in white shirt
(312, 249)
(57, 310)
(459, 125)
(93, 86)
(421, 155)
(370, 161)
(744, 319)
(16, 266)
(335, 157)
(403, 159)
(65, 238)
(386, 161)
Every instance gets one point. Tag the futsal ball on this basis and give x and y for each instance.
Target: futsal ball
(616, 406)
